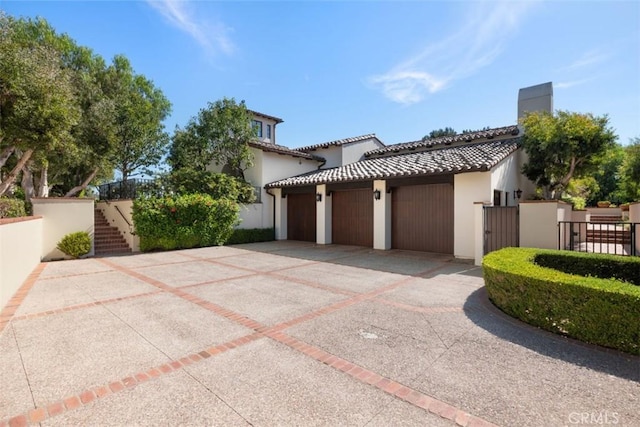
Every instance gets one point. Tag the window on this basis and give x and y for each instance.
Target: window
(497, 196)
(257, 125)
(269, 131)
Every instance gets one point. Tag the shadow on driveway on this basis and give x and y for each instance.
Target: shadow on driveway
(481, 311)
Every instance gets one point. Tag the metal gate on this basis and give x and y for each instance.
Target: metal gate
(500, 227)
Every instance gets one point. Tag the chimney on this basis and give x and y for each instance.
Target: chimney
(535, 98)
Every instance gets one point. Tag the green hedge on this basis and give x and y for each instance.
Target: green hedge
(251, 235)
(193, 220)
(626, 269)
(12, 208)
(604, 311)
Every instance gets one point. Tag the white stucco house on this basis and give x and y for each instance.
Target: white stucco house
(419, 195)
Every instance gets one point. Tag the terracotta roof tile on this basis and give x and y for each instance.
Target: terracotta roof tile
(458, 159)
(339, 142)
(281, 149)
(443, 140)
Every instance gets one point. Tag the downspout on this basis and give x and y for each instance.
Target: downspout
(274, 210)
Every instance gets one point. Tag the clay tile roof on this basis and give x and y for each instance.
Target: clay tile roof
(481, 156)
(266, 116)
(339, 142)
(280, 149)
(444, 140)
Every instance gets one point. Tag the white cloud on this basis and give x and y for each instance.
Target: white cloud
(592, 57)
(213, 38)
(566, 85)
(481, 39)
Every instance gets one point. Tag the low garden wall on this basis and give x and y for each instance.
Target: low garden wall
(20, 250)
(591, 297)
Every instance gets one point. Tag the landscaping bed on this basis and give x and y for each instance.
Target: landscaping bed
(592, 297)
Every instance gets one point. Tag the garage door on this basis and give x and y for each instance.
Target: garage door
(352, 217)
(422, 218)
(301, 217)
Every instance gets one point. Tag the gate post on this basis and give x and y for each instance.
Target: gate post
(478, 231)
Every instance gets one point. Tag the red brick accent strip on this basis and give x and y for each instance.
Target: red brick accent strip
(387, 385)
(10, 308)
(70, 403)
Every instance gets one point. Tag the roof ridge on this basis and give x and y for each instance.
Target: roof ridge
(338, 142)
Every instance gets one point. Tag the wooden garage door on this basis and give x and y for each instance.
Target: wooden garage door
(352, 217)
(301, 217)
(422, 218)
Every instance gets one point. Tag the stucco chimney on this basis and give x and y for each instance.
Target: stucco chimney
(535, 98)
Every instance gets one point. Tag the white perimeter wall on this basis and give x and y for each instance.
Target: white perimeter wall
(61, 217)
(20, 249)
(469, 188)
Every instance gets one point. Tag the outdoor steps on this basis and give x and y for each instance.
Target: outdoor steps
(609, 236)
(606, 218)
(107, 239)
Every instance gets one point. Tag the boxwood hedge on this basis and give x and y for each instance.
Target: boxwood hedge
(596, 306)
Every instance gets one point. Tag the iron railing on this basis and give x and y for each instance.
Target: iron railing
(618, 238)
(129, 189)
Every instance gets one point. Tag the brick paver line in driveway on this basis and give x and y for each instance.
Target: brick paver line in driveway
(289, 333)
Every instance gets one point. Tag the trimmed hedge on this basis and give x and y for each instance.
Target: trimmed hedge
(603, 311)
(189, 221)
(626, 269)
(252, 235)
(75, 244)
(12, 208)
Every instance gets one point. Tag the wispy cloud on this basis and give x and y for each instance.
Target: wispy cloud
(482, 38)
(590, 58)
(572, 83)
(212, 37)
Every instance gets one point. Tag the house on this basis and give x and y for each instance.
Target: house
(417, 195)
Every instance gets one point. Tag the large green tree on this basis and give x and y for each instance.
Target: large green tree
(436, 133)
(630, 171)
(219, 133)
(140, 109)
(562, 146)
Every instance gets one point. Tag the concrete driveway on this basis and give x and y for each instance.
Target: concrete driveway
(288, 333)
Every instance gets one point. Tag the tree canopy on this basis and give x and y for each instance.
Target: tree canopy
(219, 133)
(562, 146)
(66, 117)
(436, 133)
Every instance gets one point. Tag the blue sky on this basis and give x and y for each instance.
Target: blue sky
(334, 69)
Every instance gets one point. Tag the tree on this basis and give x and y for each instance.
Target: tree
(562, 146)
(437, 133)
(37, 102)
(607, 177)
(630, 171)
(140, 108)
(219, 133)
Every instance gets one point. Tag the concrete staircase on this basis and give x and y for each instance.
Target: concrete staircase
(107, 239)
(604, 230)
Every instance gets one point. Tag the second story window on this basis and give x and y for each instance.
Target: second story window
(257, 125)
(269, 131)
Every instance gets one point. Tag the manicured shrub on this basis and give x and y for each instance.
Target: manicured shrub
(604, 311)
(626, 269)
(75, 244)
(12, 208)
(251, 235)
(180, 222)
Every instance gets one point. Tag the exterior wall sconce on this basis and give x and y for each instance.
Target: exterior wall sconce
(517, 194)
(376, 194)
(318, 197)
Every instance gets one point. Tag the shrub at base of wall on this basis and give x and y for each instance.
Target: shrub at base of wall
(189, 221)
(12, 208)
(252, 235)
(598, 310)
(75, 244)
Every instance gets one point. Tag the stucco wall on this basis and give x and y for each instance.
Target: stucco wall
(505, 177)
(332, 155)
(62, 216)
(20, 250)
(354, 151)
(539, 222)
(634, 216)
(468, 189)
(115, 219)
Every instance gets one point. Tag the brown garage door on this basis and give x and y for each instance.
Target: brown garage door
(301, 217)
(422, 218)
(352, 217)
